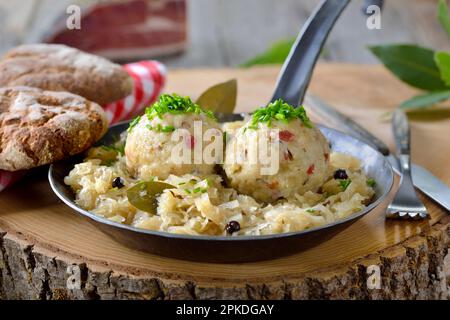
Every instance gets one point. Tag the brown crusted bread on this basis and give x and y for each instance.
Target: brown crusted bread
(39, 127)
(61, 68)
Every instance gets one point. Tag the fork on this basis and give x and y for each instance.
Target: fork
(406, 203)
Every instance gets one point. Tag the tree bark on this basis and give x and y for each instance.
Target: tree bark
(413, 269)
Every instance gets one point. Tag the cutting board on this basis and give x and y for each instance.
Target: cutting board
(49, 252)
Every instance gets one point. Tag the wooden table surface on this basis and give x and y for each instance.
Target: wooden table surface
(227, 33)
(42, 240)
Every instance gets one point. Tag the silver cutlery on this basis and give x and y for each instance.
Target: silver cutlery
(406, 204)
(295, 76)
(423, 179)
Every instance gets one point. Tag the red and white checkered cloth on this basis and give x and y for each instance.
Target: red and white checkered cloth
(149, 78)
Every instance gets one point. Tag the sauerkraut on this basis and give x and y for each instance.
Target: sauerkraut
(202, 205)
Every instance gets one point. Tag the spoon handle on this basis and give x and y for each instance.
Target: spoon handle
(297, 69)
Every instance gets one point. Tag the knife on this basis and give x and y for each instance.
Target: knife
(423, 179)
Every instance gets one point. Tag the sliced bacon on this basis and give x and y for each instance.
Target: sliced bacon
(286, 136)
(126, 30)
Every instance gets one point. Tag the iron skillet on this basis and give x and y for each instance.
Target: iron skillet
(231, 249)
(291, 87)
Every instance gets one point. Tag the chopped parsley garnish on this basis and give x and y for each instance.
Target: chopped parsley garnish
(310, 210)
(344, 184)
(281, 111)
(134, 123)
(371, 182)
(175, 104)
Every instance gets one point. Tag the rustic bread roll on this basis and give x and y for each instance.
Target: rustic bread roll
(39, 127)
(61, 68)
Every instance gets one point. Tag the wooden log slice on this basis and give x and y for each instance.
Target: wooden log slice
(47, 251)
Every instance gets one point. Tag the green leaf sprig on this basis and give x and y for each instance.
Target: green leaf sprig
(420, 67)
(281, 111)
(411, 64)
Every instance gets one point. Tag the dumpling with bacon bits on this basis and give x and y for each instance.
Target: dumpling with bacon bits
(301, 159)
(149, 145)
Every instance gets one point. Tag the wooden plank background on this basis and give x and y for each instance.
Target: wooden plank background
(228, 32)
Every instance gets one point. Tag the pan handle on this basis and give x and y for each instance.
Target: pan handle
(297, 69)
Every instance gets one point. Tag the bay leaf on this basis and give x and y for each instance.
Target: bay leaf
(412, 64)
(143, 195)
(220, 97)
(425, 100)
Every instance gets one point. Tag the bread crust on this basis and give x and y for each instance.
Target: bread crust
(38, 127)
(61, 68)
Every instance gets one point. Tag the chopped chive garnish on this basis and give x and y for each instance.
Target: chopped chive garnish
(371, 182)
(197, 190)
(175, 104)
(310, 210)
(160, 128)
(168, 129)
(281, 111)
(344, 184)
(134, 123)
